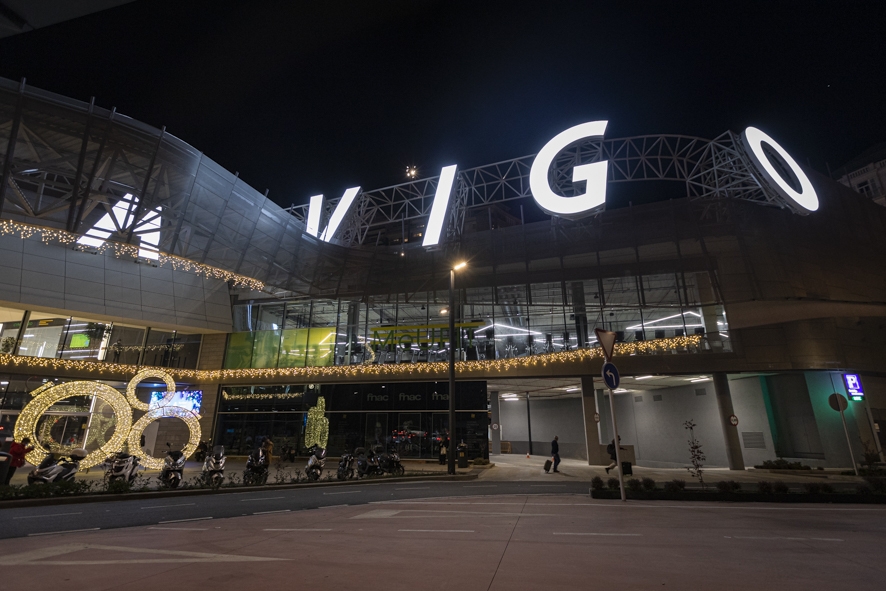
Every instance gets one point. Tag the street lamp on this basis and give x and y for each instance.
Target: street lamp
(452, 349)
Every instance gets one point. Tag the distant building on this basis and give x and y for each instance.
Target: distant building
(866, 173)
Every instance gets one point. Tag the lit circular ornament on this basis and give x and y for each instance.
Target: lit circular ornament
(143, 375)
(803, 201)
(191, 419)
(26, 425)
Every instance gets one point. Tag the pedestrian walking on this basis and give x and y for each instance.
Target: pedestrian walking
(17, 451)
(555, 452)
(610, 449)
(444, 449)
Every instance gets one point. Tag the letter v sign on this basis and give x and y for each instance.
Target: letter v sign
(315, 210)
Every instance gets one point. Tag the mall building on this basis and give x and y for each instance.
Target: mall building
(743, 290)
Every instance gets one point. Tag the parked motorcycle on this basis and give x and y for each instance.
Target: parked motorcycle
(390, 463)
(173, 467)
(316, 462)
(121, 466)
(54, 469)
(202, 451)
(256, 468)
(347, 467)
(367, 463)
(214, 466)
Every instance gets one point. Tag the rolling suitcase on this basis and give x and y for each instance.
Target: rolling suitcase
(626, 469)
(548, 465)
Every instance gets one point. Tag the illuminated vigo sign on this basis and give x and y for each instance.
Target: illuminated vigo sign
(786, 179)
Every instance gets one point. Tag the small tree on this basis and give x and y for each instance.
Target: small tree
(696, 455)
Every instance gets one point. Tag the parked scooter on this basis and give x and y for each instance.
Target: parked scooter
(347, 467)
(54, 469)
(256, 468)
(121, 466)
(202, 451)
(214, 466)
(316, 462)
(367, 463)
(390, 463)
(173, 467)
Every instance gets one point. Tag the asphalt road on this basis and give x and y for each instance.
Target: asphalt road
(31, 521)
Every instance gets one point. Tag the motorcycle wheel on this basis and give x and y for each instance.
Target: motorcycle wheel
(217, 479)
(174, 482)
(33, 481)
(314, 475)
(399, 471)
(351, 474)
(341, 475)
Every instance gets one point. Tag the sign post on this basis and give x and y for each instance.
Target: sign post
(611, 379)
(838, 402)
(856, 392)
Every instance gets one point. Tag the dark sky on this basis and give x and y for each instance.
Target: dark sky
(304, 98)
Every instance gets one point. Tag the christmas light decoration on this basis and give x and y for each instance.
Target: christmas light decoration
(144, 374)
(317, 428)
(356, 371)
(62, 237)
(262, 396)
(191, 419)
(26, 424)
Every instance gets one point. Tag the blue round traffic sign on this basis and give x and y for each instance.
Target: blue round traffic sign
(610, 375)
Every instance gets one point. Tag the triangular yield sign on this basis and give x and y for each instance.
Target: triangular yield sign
(606, 338)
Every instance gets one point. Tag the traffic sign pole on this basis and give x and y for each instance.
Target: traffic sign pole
(621, 478)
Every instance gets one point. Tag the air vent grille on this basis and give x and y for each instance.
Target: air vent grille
(753, 439)
(638, 399)
(656, 397)
(700, 392)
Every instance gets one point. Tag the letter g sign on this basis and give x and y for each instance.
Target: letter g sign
(594, 174)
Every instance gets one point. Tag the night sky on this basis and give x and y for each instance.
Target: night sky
(304, 98)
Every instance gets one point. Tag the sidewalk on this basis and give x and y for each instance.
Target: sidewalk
(518, 467)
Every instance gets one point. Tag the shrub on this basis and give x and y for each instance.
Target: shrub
(780, 488)
(612, 484)
(813, 488)
(597, 483)
(781, 464)
(729, 486)
(877, 483)
(826, 488)
(648, 484)
(864, 489)
(634, 485)
(764, 487)
(675, 485)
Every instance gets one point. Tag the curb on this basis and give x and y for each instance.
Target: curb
(159, 494)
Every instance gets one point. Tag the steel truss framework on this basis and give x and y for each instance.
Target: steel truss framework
(710, 169)
(66, 163)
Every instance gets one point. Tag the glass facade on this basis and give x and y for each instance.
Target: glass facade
(410, 418)
(493, 322)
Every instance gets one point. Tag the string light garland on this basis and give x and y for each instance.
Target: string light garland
(191, 419)
(262, 396)
(359, 370)
(144, 374)
(63, 237)
(26, 425)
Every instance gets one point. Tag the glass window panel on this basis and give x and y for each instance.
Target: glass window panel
(239, 350)
(266, 349)
(660, 290)
(125, 345)
(270, 317)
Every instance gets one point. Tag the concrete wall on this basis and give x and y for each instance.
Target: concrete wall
(52, 278)
(560, 417)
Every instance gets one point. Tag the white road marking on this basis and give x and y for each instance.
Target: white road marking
(554, 485)
(182, 528)
(262, 499)
(480, 486)
(419, 488)
(565, 533)
(452, 531)
(183, 520)
(299, 529)
(267, 512)
(344, 492)
(38, 557)
(48, 515)
(67, 531)
(781, 538)
(165, 506)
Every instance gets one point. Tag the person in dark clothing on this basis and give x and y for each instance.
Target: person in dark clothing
(555, 452)
(17, 451)
(444, 449)
(610, 449)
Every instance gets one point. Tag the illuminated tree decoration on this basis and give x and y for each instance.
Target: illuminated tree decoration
(26, 424)
(317, 429)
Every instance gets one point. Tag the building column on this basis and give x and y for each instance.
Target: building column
(730, 432)
(495, 411)
(596, 452)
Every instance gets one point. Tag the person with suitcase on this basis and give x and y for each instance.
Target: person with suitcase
(610, 449)
(555, 456)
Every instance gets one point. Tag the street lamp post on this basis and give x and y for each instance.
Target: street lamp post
(452, 350)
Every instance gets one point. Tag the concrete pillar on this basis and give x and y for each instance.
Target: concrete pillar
(596, 453)
(730, 432)
(495, 411)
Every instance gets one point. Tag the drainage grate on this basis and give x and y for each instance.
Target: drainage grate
(753, 440)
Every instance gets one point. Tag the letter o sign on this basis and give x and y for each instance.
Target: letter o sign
(803, 201)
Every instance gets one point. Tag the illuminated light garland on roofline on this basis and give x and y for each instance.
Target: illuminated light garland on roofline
(63, 237)
(357, 370)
